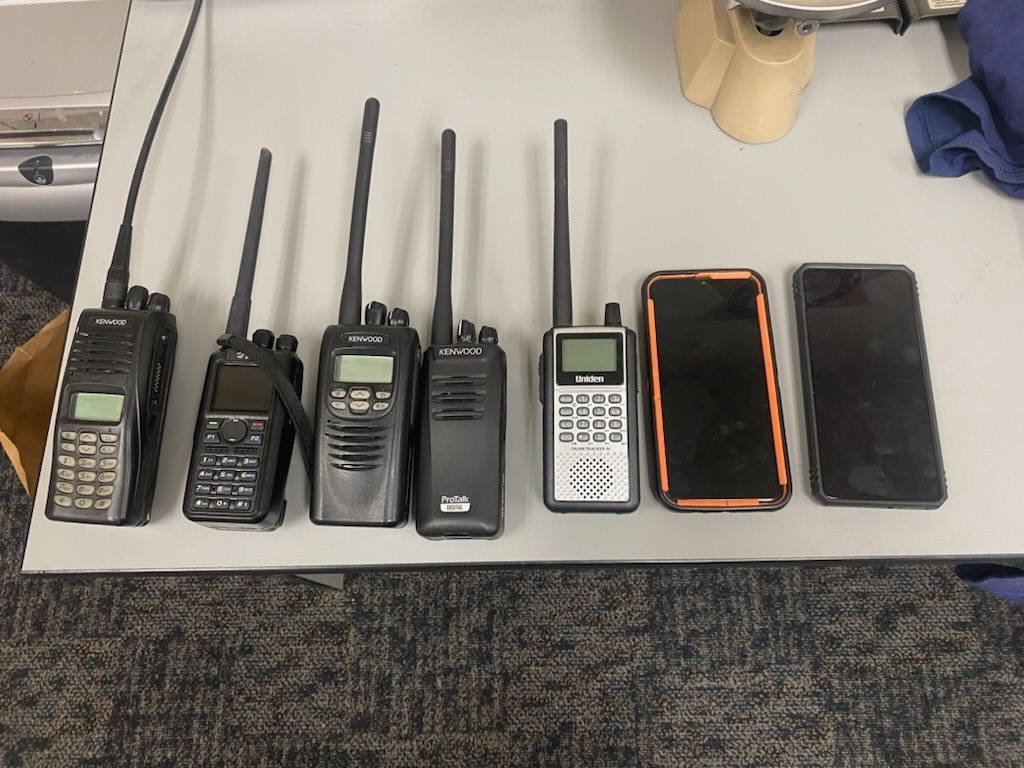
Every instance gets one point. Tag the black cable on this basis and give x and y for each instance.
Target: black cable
(285, 391)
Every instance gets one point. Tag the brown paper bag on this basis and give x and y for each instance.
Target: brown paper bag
(28, 382)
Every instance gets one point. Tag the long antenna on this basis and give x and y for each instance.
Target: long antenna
(238, 316)
(116, 287)
(441, 325)
(561, 293)
(352, 290)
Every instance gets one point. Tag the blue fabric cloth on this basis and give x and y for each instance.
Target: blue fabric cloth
(1002, 581)
(979, 124)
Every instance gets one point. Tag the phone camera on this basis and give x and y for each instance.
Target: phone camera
(703, 282)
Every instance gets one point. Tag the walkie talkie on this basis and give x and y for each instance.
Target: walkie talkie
(588, 389)
(113, 395)
(366, 389)
(460, 475)
(244, 436)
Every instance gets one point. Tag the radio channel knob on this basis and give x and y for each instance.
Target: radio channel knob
(287, 343)
(233, 431)
(137, 298)
(376, 313)
(263, 338)
(467, 332)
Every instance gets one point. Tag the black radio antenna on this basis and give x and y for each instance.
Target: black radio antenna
(441, 325)
(352, 290)
(238, 315)
(116, 287)
(561, 298)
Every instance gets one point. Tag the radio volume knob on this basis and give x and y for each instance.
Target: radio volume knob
(287, 343)
(159, 302)
(398, 317)
(488, 335)
(263, 338)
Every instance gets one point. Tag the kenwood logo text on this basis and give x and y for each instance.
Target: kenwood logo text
(367, 339)
(110, 321)
(460, 351)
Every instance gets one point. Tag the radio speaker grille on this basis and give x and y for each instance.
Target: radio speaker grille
(592, 476)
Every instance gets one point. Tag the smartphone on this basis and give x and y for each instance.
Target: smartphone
(871, 429)
(717, 435)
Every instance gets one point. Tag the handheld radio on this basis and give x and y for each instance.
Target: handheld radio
(588, 389)
(460, 476)
(365, 403)
(244, 436)
(113, 395)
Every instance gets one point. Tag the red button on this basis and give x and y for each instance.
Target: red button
(257, 426)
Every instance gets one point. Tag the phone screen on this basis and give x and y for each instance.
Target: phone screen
(720, 438)
(872, 403)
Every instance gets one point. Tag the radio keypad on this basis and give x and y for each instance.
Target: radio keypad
(77, 452)
(582, 422)
(225, 479)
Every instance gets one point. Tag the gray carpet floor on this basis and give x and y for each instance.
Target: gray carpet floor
(790, 666)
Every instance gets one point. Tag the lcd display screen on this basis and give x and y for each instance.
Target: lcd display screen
(364, 369)
(242, 389)
(582, 355)
(873, 412)
(719, 439)
(97, 406)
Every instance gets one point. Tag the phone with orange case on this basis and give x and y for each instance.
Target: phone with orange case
(718, 442)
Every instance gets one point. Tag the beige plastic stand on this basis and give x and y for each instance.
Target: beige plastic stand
(749, 81)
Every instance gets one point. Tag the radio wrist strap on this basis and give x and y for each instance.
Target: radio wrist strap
(266, 360)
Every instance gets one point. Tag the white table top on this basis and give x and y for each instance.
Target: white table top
(653, 185)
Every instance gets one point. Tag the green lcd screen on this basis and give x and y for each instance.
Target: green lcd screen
(364, 369)
(93, 406)
(589, 355)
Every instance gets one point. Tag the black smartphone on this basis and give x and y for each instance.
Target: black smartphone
(870, 414)
(718, 441)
